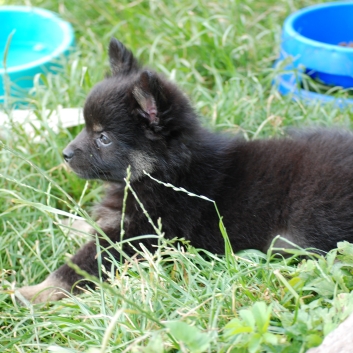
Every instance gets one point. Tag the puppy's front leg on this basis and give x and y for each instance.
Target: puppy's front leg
(64, 278)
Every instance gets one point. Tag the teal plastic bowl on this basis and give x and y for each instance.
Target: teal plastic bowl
(32, 41)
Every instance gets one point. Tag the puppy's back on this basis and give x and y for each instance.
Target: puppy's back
(300, 187)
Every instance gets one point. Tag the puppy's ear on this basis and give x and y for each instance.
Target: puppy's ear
(121, 59)
(149, 95)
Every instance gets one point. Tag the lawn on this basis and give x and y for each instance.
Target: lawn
(177, 299)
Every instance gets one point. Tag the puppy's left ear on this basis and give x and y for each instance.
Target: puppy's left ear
(122, 61)
(148, 93)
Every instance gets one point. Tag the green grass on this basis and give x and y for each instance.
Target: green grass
(222, 54)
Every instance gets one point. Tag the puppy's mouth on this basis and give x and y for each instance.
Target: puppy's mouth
(94, 175)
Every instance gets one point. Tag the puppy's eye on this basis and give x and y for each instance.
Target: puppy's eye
(104, 139)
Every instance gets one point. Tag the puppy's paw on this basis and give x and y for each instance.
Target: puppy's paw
(51, 289)
(77, 227)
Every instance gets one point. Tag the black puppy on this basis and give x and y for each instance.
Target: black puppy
(300, 187)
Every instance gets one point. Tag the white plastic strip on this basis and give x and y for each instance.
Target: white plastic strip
(60, 117)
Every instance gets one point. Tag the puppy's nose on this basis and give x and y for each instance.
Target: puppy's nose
(68, 153)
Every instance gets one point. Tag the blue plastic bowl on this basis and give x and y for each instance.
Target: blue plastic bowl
(310, 39)
(36, 40)
(311, 36)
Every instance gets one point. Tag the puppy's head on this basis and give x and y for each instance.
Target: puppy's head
(135, 117)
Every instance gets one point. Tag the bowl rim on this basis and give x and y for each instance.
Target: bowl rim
(67, 42)
(288, 27)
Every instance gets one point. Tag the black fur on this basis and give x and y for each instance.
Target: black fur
(300, 187)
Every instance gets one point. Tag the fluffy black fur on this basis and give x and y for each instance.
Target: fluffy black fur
(300, 187)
